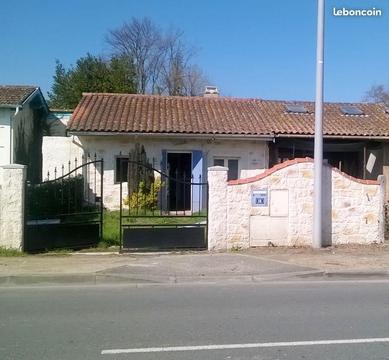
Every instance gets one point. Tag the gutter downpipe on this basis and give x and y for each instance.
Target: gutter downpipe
(317, 241)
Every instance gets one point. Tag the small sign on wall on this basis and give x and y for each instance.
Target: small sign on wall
(370, 162)
(259, 198)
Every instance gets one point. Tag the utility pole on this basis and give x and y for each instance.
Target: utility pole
(318, 150)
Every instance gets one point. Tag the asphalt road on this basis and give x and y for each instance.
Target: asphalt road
(101, 322)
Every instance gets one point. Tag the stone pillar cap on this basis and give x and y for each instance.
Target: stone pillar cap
(14, 166)
(218, 168)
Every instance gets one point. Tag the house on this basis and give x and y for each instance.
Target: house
(184, 135)
(23, 112)
(355, 136)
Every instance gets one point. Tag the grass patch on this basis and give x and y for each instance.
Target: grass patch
(111, 234)
(4, 252)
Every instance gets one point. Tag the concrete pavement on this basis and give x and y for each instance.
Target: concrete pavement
(253, 265)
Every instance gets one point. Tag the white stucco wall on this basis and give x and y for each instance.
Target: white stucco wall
(252, 155)
(5, 136)
(353, 209)
(58, 151)
(12, 187)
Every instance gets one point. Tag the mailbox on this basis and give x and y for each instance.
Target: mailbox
(259, 198)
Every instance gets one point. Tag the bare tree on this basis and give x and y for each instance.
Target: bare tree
(175, 59)
(194, 81)
(162, 60)
(377, 93)
(140, 40)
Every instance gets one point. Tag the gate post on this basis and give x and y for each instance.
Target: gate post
(217, 208)
(12, 183)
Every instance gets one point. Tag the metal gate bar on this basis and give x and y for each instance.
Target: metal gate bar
(147, 218)
(67, 211)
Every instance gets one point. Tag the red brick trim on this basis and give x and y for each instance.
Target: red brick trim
(287, 163)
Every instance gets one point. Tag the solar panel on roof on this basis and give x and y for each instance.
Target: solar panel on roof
(351, 110)
(295, 108)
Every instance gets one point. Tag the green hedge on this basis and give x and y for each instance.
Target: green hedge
(52, 198)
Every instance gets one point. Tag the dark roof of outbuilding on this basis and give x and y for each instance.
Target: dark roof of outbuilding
(132, 113)
(14, 95)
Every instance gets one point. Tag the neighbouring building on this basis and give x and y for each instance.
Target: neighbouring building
(23, 112)
(57, 121)
(184, 135)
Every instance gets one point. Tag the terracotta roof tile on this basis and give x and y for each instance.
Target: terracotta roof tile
(14, 94)
(129, 113)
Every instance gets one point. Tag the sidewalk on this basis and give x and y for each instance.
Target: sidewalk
(252, 265)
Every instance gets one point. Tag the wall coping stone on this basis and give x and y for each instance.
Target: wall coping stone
(218, 168)
(287, 163)
(14, 166)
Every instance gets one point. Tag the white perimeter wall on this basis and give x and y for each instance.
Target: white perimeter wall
(252, 155)
(353, 209)
(58, 151)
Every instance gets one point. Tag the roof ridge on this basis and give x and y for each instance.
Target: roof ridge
(216, 98)
(227, 98)
(19, 86)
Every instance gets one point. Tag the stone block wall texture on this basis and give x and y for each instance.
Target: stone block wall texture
(217, 216)
(12, 189)
(353, 209)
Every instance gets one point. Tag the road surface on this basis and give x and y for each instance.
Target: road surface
(280, 320)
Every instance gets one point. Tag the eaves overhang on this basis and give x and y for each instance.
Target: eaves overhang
(263, 137)
(345, 137)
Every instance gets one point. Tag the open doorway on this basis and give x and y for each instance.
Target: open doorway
(179, 170)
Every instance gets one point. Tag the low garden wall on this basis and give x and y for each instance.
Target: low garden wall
(276, 207)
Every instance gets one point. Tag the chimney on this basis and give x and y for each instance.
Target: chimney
(211, 91)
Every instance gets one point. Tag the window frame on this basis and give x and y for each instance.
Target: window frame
(225, 161)
(116, 173)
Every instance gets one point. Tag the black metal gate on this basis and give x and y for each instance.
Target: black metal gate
(161, 212)
(66, 211)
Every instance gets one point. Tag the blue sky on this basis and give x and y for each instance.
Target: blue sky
(248, 48)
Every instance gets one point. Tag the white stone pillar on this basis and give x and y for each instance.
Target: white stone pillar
(12, 206)
(217, 207)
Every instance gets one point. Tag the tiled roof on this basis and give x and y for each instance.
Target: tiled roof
(15, 95)
(128, 113)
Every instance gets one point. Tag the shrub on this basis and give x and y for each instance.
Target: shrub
(56, 197)
(145, 198)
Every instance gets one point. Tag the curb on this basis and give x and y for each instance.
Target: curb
(356, 274)
(101, 279)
